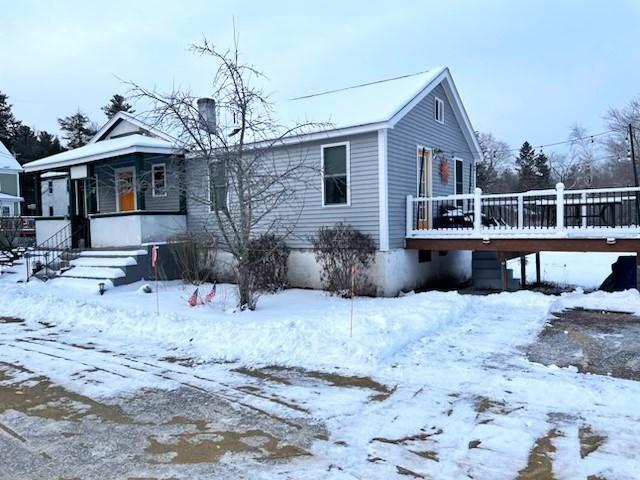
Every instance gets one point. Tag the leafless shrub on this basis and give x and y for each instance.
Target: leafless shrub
(195, 255)
(344, 254)
(268, 257)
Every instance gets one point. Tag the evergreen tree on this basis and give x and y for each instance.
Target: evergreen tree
(77, 129)
(543, 171)
(117, 104)
(526, 168)
(49, 144)
(8, 122)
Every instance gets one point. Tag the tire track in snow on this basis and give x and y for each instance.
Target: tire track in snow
(166, 374)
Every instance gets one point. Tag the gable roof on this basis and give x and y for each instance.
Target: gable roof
(372, 106)
(126, 117)
(8, 161)
(135, 143)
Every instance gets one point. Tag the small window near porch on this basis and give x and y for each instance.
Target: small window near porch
(335, 174)
(439, 110)
(50, 186)
(159, 177)
(217, 186)
(5, 211)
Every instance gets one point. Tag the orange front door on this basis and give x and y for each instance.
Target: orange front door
(126, 190)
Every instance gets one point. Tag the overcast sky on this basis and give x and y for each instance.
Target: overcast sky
(525, 69)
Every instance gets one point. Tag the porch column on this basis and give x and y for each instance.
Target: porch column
(141, 183)
(91, 189)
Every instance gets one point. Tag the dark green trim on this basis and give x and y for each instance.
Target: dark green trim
(135, 212)
(140, 181)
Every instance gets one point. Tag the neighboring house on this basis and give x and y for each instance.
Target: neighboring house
(54, 193)
(10, 198)
(409, 136)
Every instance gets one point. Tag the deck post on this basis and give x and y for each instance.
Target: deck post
(638, 270)
(477, 209)
(560, 206)
(538, 273)
(520, 212)
(523, 271)
(503, 270)
(583, 209)
(409, 225)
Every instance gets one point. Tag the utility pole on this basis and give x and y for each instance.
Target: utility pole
(633, 155)
(635, 175)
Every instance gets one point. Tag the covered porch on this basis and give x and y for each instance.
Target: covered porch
(121, 192)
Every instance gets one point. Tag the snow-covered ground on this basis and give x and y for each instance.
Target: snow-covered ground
(463, 400)
(587, 270)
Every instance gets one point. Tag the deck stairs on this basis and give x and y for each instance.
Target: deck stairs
(487, 274)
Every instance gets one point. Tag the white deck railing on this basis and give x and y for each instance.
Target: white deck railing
(553, 212)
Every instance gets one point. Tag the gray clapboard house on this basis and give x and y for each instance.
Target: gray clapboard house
(408, 136)
(10, 198)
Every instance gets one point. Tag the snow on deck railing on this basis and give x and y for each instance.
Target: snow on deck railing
(550, 211)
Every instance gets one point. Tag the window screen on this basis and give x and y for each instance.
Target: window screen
(335, 175)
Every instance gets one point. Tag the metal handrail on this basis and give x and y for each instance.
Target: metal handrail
(57, 244)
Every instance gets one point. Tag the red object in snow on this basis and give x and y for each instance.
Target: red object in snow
(193, 300)
(212, 294)
(154, 256)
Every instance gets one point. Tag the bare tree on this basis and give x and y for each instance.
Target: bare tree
(253, 184)
(10, 230)
(496, 160)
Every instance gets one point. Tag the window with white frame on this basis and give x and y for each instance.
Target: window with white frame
(159, 180)
(438, 110)
(5, 211)
(217, 186)
(335, 174)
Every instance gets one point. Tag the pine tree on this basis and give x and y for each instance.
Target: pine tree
(77, 129)
(117, 104)
(8, 123)
(526, 168)
(543, 171)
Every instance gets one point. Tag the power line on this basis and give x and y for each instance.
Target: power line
(376, 82)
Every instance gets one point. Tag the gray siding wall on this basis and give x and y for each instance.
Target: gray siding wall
(306, 211)
(9, 183)
(419, 127)
(107, 184)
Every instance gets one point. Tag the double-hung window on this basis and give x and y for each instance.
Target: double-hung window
(335, 174)
(217, 186)
(159, 180)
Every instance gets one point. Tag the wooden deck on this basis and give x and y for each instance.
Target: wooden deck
(594, 220)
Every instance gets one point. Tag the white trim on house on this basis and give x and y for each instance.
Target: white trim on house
(429, 173)
(383, 189)
(438, 107)
(123, 116)
(455, 174)
(116, 171)
(456, 103)
(347, 144)
(153, 180)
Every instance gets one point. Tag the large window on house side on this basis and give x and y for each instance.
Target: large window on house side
(335, 174)
(159, 179)
(217, 186)
(438, 110)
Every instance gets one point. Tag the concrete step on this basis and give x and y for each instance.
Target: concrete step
(85, 261)
(104, 273)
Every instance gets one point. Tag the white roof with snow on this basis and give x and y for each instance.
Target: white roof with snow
(359, 105)
(371, 106)
(104, 149)
(8, 161)
(10, 198)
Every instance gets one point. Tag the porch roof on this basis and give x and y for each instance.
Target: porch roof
(4, 197)
(103, 149)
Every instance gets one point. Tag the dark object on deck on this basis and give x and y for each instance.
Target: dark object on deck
(623, 275)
